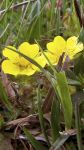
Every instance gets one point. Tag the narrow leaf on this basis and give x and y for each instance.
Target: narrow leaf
(4, 98)
(37, 145)
(59, 142)
(55, 118)
(65, 98)
(42, 123)
(78, 126)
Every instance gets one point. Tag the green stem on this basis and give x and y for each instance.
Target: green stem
(78, 126)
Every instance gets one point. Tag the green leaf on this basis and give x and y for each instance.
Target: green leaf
(4, 98)
(50, 64)
(65, 98)
(40, 113)
(59, 142)
(37, 145)
(79, 64)
(55, 119)
(81, 35)
(78, 126)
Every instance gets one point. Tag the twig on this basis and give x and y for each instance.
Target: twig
(16, 6)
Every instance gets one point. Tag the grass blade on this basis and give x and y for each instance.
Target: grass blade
(33, 141)
(78, 126)
(59, 142)
(65, 98)
(55, 119)
(4, 98)
(41, 116)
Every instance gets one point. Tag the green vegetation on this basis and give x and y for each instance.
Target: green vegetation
(44, 110)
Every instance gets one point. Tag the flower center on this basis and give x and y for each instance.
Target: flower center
(22, 63)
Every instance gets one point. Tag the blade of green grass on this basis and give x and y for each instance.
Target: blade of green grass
(40, 113)
(59, 142)
(55, 118)
(36, 26)
(4, 98)
(22, 22)
(7, 9)
(52, 67)
(65, 98)
(78, 126)
(37, 145)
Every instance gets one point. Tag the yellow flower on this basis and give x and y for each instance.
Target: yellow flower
(56, 48)
(18, 65)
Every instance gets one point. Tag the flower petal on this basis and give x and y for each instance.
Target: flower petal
(51, 47)
(22, 61)
(60, 43)
(10, 68)
(52, 58)
(71, 42)
(73, 47)
(30, 50)
(41, 61)
(57, 47)
(27, 71)
(7, 52)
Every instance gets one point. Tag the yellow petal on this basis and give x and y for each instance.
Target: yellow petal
(7, 52)
(27, 71)
(52, 58)
(22, 61)
(60, 43)
(30, 50)
(10, 68)
(57, 47)
(73, 47)
(51, 47)
(71, 42)
(41, 61)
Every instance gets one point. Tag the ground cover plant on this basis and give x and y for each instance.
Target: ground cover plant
(41, 75)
